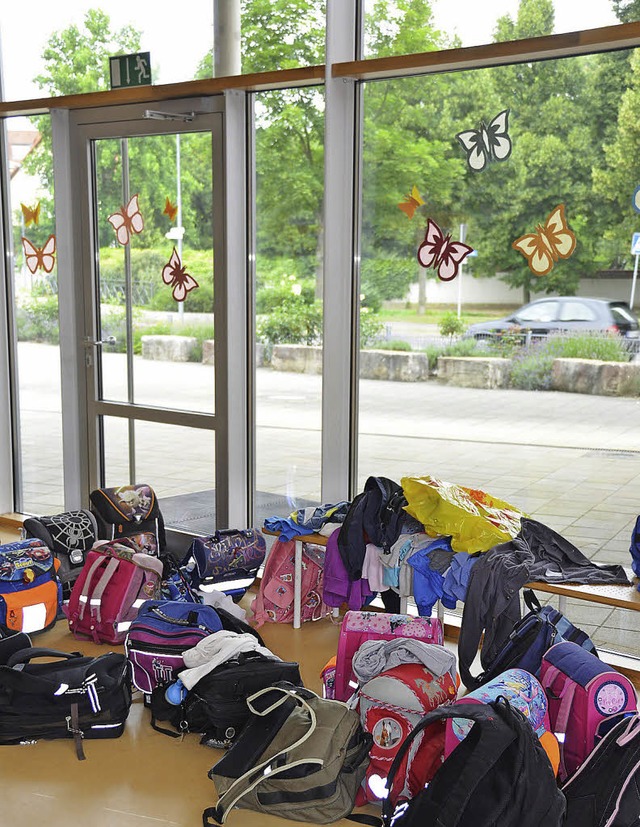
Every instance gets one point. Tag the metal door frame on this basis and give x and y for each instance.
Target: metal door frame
(225, 117)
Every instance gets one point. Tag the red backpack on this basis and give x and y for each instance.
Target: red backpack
(274, 602)
(115, 581)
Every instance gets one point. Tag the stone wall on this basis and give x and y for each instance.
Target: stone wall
(473, 372)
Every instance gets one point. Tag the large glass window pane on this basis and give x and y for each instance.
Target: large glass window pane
(396, 27)
(177, 462)
(565, 451)
(36, 314)
(289, 176)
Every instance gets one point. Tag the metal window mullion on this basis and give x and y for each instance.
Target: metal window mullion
(340, 335)
(128, 290)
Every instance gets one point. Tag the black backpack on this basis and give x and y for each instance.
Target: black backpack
(498, 776)
(128, 511)
(606, 788)
(217, 705)
(69, 536)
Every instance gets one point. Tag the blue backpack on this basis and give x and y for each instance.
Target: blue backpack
(525, 647)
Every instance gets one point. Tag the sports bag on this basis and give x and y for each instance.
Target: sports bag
(274, 602)
(217, 705)
(402, 686)
(159, 635)
(524, 692)
(30, 592)
(605, 791)
(129, 510)
(358, 626)
(72, 697)
(582, 692)
(499, 776)
(69, 536)
(114, 583)
(299, 757)
(538, 630)
(228, 560)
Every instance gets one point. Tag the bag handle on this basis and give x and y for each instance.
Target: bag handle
(25, 655)
(250, 779)
(531, 600)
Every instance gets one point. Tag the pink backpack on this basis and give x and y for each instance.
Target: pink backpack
(115, 581)
(582, 692)
(360, 626)
(274, 602)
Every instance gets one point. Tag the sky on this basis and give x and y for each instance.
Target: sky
(178, 41)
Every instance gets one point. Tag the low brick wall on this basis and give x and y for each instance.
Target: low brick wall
(394, 365)
(601, 378)
(473, 372)
(168, 348)
(297, 358)
(208, 352)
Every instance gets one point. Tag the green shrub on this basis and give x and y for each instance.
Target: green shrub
(463, 347)
(294, 322)
(272, 296)
(451, 325)
(606, 347)
(393, 344)
(370, 328)
(37, 320)
(531, 369)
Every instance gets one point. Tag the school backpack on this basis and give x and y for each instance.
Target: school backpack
(498, 776)
(537, 631)
(216, 706)
(524, 692)
(359, 626)
(404, 681)
(605, 791)
(130, 511)
(299, 757)
(30, 591)
(227, 560)
(274, 602)
(114, 583)
(69, 535)
(159, 635)
(582, 692)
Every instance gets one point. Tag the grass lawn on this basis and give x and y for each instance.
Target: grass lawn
(434, 313)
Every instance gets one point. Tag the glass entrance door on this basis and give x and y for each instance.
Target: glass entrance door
(152, 259)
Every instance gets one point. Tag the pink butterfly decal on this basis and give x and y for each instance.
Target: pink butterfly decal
(127, 220)
(174, 274)
(439, 252)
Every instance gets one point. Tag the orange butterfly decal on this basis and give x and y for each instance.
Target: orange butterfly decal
(548, 243)
(40, 257)
(31, 214)
(170, 209)
(127, 220)
(173, 273)
(411, 202)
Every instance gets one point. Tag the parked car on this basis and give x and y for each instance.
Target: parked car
(563, 313)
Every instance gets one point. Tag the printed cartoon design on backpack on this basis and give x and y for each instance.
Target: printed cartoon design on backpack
(30, 591)
(274, 602)
(129, 510)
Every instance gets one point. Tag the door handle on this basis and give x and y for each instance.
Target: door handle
(89, 342)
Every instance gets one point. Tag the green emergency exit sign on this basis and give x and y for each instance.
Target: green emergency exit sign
(130, 70)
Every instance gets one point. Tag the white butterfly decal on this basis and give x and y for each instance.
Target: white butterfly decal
(488, 143)
(441, 253)
(174, 273)
(127, 220)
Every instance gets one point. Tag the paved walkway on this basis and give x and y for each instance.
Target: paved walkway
(569, 460)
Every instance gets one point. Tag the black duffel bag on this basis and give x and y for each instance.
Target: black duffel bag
(70, 697)
(217, 705)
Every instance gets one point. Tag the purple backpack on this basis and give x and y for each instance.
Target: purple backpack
(227, 560)
(583, 693)
(157, 638)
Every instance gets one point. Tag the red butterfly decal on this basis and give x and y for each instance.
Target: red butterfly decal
(439, 252)
(174, 274)
(127, 220)
(40, 257)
